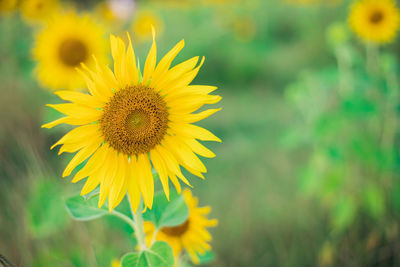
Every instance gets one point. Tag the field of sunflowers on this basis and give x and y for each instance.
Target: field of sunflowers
(199, 133)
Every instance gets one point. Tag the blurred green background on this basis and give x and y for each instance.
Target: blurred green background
(308, 171)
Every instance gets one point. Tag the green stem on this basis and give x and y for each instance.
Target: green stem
(139, 229)
(372, 58)
(124, 218)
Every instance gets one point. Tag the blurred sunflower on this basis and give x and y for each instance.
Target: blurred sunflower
(115, 263)
(143, 23)
(38, 10)
(128, 121)
(192, 235)
(65, 42)
(375, 20)
(105, 13)
(7, 6)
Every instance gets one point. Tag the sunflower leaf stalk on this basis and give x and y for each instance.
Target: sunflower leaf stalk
(138, 222)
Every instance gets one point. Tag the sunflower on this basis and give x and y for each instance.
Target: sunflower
(375, 20)
(129, 123)
(38, 10)
(7, 6)
(191, 235)
(66, 41)
(143, 23)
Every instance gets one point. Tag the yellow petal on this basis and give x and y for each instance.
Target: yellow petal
(194, 131)
(95, 84)
(108, 78)
(80, 98)
(109, 171)
(160, 167)
(191, 118)
(175, 73)
(201, 89)
(185, 154)
(78, 134)
(91, 183)
(165, 62)
(68, 120)
(184, 80)
(93, 165)
(119, 186)
(133, 184)
(189, 104)
(118, 54)
(151, 61)
(83, 154)
(131, 68)
(146, 181)
(199, 148)
(176, 183)
(78, 111)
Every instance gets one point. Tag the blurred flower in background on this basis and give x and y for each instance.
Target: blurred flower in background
(191, 236)
(7, 6)
(67, 40)
(375, 20)
(142, 24)
(34, 11)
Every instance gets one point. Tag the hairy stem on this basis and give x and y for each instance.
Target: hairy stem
(139, 229)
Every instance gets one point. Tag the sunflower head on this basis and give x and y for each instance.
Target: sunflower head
(192, 235)
(66, 41)
(38, 10)
(375, 20)
(129, 123)
(144, 21)
(7, 6)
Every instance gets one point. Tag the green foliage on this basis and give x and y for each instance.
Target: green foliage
(167, 213)
(160, 254)
(45, 211)
(85, 208)
(349, 116)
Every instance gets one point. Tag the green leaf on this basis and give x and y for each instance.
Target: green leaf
(92, 194)
(85, 209)
(159, 255)
(206, 257)
(166, 213)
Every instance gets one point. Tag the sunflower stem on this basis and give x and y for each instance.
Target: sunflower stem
(125, 219)
(372, 50)
(138, 221)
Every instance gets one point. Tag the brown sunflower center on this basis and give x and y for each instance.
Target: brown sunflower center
(376, 17)
(135, 120)
(176, 230)
(72, 52)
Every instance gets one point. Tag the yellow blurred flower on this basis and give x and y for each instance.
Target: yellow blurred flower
(143, 22)
(244, 28)
(38, 10)
(130, 123)
(313, 2)
(375, 20)
(66, 41)
(115, 263)
(8, 6)
(105, 13)
(192, 235)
